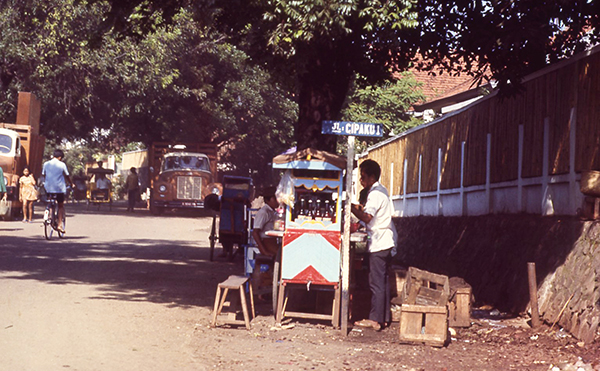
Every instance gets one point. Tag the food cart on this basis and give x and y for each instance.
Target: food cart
(310, 254)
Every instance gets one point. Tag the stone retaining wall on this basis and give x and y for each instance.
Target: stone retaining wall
(491, 254)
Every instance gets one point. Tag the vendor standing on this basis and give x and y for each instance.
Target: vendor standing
(377, 215)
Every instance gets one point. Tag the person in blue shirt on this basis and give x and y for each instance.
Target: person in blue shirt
(56, 175)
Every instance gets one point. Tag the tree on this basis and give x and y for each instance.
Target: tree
(326, 42)
(388, 103)
(503, 40)
(322, 44)
(181, 83)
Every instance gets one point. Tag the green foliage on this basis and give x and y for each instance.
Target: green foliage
(387, 104)
(503, 39)
(181, 83)
(316, 45)
(310, 21)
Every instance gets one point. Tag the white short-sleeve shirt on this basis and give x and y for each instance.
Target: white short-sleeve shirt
(381, 229)
(102, 183)
(265, 219)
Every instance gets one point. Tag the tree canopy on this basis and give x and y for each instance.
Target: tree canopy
(234, 72)
(177, 83)
(319, 45)
(324, 43)
(502, 40)
(388, 103)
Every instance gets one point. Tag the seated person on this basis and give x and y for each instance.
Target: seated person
(103, 185)
(264, 221)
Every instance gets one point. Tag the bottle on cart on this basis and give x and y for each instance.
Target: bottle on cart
(327, 214)
(310, 212)
(303, 211)
(279, 224)
(318, 213)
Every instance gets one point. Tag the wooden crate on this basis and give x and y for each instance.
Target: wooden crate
(426, 324)
(459, 308)
(591, 208)
(397, 279)
(425, 288)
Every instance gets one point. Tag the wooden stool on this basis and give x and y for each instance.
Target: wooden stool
(233, 283)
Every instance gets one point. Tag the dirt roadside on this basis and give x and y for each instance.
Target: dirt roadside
(135, 292)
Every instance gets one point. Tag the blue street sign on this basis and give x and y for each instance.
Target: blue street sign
(359, 129)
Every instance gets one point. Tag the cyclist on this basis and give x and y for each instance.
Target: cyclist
(55, 174)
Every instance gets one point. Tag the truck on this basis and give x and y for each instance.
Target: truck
(182, 175)
(21, 145)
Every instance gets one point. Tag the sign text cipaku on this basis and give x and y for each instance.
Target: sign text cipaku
(359, 129)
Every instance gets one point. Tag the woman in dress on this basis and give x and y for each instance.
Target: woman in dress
(27, 194)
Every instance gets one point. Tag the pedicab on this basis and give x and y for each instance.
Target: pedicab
(231, 210)
(98, 197)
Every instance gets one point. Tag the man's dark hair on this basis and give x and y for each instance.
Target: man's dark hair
(58, 153)
(268, 192)
(371, 168)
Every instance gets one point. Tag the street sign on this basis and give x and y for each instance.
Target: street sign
(359, 129)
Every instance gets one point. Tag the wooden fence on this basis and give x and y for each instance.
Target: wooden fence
(517, 154)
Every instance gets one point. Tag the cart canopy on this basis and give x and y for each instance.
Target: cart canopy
(99, 170)
(308, 158)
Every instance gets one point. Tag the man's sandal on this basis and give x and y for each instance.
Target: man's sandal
(367, 323)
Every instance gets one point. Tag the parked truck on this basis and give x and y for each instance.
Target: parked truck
(21, 145)
(182, 175)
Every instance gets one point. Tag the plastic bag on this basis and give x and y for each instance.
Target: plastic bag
(4, 207)
(285, 192)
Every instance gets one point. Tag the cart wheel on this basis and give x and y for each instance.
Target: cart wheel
(213, 238)
(276, 277)
(47, 229)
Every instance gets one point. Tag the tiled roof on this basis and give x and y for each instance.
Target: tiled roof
(442, 85)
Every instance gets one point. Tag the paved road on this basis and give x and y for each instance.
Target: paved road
(122, 291)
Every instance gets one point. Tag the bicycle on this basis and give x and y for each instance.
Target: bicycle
(51, 219)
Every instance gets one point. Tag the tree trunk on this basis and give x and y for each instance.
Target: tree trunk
(323, 88)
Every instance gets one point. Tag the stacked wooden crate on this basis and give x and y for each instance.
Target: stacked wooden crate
(424, 313)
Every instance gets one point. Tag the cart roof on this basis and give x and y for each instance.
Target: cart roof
(310, 158)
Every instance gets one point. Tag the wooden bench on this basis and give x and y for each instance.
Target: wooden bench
(233, 283)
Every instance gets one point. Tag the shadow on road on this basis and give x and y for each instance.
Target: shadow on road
(177, 274)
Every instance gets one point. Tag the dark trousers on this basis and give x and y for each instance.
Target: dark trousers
(379, 263)
(131, 198)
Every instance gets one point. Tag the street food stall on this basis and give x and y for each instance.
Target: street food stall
(311, 189)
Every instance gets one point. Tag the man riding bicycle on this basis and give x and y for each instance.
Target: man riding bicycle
(55, 174)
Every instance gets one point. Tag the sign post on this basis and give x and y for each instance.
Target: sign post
(350, 129)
